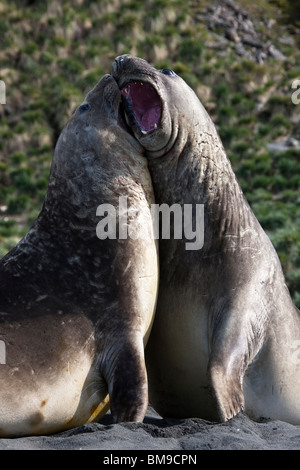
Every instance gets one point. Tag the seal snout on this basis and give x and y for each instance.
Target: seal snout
(118, 64)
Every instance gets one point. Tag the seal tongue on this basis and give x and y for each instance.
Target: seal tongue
(142, 104)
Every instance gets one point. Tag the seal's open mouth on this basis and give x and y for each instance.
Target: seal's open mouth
(142, 107)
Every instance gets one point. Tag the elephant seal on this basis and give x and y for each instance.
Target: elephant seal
(226, 332)
(76, 310)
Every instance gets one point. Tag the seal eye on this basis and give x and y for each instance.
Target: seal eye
(168, 72)
(84, 107)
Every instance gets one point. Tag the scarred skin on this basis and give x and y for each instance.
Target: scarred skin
(76, 311)
(226, 331)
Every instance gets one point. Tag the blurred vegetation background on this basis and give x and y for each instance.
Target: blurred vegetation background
(240, 57)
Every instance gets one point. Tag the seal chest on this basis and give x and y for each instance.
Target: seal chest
(224, 321)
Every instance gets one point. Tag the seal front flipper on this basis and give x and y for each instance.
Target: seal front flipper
(232, 351)
(226, 388)
(127, 384)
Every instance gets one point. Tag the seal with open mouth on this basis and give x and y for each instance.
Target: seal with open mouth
(76, 310)
(226, 331)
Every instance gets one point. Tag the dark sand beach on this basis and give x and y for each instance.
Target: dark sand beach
(157, 434)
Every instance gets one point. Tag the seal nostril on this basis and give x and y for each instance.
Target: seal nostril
(118, 64)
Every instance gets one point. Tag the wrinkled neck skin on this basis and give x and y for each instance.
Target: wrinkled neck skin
(74, 190)
(195, 170)
(68, 214)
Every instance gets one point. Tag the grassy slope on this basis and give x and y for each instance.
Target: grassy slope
(52, 53)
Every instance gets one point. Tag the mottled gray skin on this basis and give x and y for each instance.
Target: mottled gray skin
(76, 311)
(225, 328)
